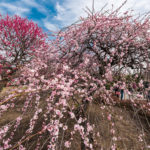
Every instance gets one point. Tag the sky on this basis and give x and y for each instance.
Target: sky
(53, 15)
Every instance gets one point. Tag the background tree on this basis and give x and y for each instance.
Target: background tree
(19, 40)
(106, 40)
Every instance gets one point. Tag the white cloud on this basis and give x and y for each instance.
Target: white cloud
(33, 3)
(6, 7)
(69, 11)
(21, 7)
(50, 27)
(61, 11)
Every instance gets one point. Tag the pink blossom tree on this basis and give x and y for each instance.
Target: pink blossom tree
(83, 58)
(19, 40)
(106, 41)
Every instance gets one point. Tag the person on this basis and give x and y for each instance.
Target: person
(122, 91)
(116, 89)
(148, 95)
(131, 91)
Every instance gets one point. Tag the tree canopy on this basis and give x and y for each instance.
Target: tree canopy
(19, 40)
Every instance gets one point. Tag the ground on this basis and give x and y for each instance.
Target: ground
(130, 122)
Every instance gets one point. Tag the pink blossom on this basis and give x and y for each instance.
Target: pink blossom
(65, 127)
(72, 115)
(109, 117)
(4, 107)
(67, 144)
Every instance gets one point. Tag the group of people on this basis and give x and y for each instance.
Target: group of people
(119, 90)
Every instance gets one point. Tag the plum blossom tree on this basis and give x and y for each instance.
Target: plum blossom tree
(19, 40)
(106, 40)
(83, 58)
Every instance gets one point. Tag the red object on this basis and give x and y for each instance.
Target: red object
(118, 93)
